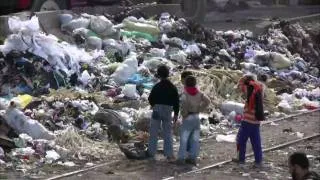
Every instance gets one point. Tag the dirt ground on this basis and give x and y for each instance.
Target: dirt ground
(275, 167)
(212, 152)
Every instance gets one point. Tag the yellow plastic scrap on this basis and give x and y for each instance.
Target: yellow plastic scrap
(23, 100)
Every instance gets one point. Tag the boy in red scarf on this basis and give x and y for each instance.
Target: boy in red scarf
(193, 102)
(253, 114)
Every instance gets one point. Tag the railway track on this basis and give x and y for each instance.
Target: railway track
(249, 155)
(124, 167)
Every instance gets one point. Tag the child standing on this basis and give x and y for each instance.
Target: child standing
(193, 102)
(250, 125)
(164, 99)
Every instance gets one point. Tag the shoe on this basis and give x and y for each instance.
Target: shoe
(236, 160)
(261, 166)
(257, 165)
(171, 159)
(188, 160)
(180, 162)
(193, 162)
(150, 157)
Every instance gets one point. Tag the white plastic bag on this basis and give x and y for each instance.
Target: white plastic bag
(75, 24)
(102, 26)
(126, 69)
(94, 43)
(130, 91)
(16, 25)
(193, 50)
(22, 141)
(14, 42)
(285, 106)
(179, 56)
(279, 61)
(65, 18)
(23, 124)
(28, 151)
(51, 156)
(226, 138)
(155, 52)
(172, 41)
(85, 78)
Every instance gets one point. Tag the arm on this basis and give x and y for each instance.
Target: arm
(259, 107)
(151, 97)
(184, 106)
(241, 85)
(176, 102)
(205, 102)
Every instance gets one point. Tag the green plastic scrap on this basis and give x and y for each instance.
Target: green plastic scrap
(136, 34)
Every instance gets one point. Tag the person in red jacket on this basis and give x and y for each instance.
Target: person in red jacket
(253, 115)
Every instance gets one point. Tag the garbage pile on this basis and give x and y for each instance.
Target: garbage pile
(68, 100)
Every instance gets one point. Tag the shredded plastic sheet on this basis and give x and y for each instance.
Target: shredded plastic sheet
(60, 55)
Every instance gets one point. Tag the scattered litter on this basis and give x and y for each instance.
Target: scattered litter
(89, 164)
(226, 138)
(68, 164)
(52, 156)
(71, 100)
(300, 135)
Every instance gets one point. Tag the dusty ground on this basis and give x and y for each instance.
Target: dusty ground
(211, 152)
(276, 165)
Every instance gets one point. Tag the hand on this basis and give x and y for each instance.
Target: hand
(179, 122)
(175, 118)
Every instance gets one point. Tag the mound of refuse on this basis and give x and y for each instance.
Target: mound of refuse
(73, 101)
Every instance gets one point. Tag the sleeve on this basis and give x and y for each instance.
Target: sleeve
(176, 102)
(151, 97)
(241, 85)
(259, 107)
(205, 102)
(184, 106)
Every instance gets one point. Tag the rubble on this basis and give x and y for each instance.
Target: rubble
(77, 102)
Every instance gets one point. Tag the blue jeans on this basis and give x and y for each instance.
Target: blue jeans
(161, 115)
(189, 136)
(252, 131)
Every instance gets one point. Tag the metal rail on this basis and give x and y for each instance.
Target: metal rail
(207, 167)
(249, 155)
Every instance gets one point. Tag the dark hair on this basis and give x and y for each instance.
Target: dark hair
(185, 74)
(248, 79)
(190, 81)
(163, 71)
(263, 77)
(299, 159)
(249, 87)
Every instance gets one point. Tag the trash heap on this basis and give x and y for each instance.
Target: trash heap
(66, 101)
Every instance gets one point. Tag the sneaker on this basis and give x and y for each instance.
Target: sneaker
(180, 162)
(257, 166)
(188, 160)
(193, 162)
(236, 160)
(171, 159)
(242, 166)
